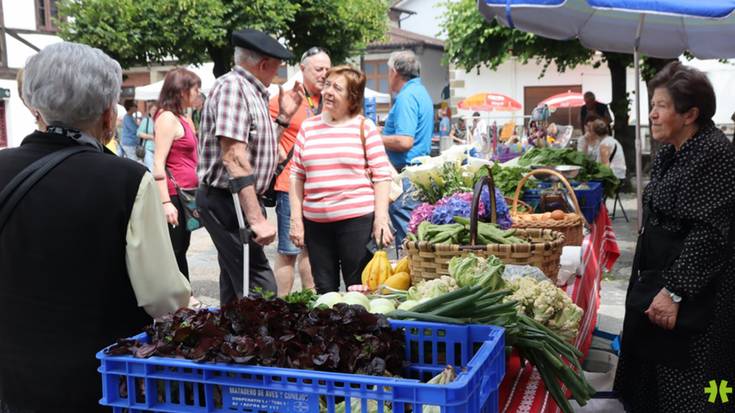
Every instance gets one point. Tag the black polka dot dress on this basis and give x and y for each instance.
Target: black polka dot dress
(692, 189)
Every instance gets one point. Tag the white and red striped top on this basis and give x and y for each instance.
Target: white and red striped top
(331, 162)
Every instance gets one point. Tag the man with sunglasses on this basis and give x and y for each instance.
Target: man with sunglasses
(315, 63)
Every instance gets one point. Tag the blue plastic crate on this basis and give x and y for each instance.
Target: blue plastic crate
(185, 386)
(589, 199)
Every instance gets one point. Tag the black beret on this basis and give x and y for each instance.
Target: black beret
(260, 42)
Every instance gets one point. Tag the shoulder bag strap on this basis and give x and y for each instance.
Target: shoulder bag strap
(19, 186)
(281, 166)
(612, 155)
(364, 143)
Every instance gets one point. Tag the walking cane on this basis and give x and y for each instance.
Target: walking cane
(245, 240)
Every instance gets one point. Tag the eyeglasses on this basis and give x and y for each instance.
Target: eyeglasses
(311, 52)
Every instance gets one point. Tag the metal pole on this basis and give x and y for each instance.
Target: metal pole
(638, 139)
(245, 239)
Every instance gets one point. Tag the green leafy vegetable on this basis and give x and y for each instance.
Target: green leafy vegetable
(591, 170)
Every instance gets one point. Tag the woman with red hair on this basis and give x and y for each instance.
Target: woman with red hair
(175, 154)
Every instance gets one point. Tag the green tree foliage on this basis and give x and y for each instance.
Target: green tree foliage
(473, 42)
(138, 32)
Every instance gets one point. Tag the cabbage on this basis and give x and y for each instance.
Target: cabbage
(382, 306)
(472, 270)
(354, 297)
(329, 299)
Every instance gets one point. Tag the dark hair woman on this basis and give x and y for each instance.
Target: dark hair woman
(340, 181)
(679, 324)
(175, 154)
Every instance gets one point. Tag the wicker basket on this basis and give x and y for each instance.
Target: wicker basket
(570, 226)
(429, 261)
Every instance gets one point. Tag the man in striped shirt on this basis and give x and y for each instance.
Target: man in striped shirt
(238, 151)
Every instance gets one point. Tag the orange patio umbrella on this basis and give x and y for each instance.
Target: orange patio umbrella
(490, 102)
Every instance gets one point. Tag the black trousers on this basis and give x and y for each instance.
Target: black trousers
(217, 213)
(180, 237)
(338, 245)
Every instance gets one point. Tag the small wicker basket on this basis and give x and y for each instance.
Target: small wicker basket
(429, 261)
(570, 226)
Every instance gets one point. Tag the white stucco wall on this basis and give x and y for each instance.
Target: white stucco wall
(434, 75)
(20, 14)
(427, 17)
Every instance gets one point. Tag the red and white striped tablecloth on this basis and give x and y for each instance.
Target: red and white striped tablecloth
(522, 390)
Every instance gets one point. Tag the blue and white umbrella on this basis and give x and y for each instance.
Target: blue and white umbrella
(657, 28)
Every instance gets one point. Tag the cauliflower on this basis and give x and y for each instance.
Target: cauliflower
(549, 300)
(547, 304)
(432, 288)
(525, 291)
(566, 322)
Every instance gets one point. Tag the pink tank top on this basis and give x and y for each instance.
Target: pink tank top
(182, 160)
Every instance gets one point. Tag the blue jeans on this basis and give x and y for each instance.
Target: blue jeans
(129, 152)
(283, 215)
(148, 160)
(400, 211)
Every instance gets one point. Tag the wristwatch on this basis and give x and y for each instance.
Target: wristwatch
(282, 123)
(674, 297)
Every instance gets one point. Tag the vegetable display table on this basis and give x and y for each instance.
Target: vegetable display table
(522, 390)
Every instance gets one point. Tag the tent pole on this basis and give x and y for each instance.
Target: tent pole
(638, 139)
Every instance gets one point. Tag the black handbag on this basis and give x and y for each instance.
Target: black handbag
(188, 203)
(140, 149)
(269, 196)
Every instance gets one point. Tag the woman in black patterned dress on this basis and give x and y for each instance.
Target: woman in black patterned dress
(679, 329)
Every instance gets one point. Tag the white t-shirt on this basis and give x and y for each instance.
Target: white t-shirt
(617, 164)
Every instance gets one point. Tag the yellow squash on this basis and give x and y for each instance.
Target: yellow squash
(398, 281)
(377, 270)
(402, 266)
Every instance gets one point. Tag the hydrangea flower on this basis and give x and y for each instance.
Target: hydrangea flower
(420, 214)
(450, 208)
(501, 208)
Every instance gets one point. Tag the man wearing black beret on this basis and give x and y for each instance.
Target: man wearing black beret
(238, 149)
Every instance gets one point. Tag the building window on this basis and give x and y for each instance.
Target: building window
(46, 12)
(3, 126)
(376, 72)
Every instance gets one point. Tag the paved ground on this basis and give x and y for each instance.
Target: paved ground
(205, 275)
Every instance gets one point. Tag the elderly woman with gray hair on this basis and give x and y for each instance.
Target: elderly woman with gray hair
(85, 256)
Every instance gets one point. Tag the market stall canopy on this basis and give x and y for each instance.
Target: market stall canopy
(151, 91)
(657, 28)
(703, 28)
(490, 102)
(564, 100)
(369, 93)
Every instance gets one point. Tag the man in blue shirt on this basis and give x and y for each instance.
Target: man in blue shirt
(408, 128)
(129, 139)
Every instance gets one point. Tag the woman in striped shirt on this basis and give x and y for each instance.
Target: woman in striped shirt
(340, 180)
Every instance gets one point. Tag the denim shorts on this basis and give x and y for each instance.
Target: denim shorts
(283, 214)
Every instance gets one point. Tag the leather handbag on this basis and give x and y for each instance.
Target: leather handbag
(396, 182)
(140, 149)
(189, 204)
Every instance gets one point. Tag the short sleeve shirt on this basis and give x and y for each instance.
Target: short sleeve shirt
(237, 108)
(412, 115)
(288, 137)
